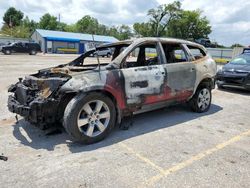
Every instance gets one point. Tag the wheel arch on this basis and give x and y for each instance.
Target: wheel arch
(208, 81)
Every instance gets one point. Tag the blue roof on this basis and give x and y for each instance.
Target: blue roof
(69, 36)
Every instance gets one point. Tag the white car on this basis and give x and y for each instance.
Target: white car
(105, 52)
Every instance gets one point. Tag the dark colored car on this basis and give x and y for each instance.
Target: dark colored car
(22, 47)
(206, 42)
(141, 75)
(236, 73)
(1, 45)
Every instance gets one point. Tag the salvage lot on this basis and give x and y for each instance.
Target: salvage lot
(171, 147)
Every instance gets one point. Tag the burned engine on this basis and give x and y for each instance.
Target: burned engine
(37, 97)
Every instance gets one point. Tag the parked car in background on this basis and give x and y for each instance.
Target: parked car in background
(206, 42)
(236, 73)
(103, 52)
(1, 46)
(21, 47)
(89, 99)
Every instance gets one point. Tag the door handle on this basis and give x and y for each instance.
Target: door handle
(159, 73)
(192, 69)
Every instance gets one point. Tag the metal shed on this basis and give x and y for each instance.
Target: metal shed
(67, 42)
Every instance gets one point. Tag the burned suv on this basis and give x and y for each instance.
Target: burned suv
(141, 75)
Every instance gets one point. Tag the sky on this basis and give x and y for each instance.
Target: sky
(230, 19)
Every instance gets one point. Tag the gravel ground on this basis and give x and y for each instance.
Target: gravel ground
(171, 147)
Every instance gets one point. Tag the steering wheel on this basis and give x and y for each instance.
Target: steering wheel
(152, 61)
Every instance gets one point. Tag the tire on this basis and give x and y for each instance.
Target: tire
(33, 52)
(95, 127)
(108, 54)
(220, 86)
(7, 52)
(201, 101)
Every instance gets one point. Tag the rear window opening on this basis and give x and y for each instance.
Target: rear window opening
(196, 52)
(174, 53)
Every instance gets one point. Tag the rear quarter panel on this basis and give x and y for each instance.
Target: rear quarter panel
(205, 68)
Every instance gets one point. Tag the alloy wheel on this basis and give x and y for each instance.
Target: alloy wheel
(93, 118)
(204, 98)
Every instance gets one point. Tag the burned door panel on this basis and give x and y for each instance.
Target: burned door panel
(181, 78)
(141, 82)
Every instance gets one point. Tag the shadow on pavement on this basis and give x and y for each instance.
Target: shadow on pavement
(143, 123)
(235, 91)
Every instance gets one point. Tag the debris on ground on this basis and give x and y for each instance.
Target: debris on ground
(4, 158)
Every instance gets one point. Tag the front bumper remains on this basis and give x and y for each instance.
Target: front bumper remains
(237, 80)
(39, 111)
(17, 108)
(35, 108)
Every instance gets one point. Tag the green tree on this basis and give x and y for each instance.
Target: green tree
(102, 29)
(30, 24)
(70, 28)
(18, 31)
(189, 25)
(113, 31)
(12, 17)
(237, 45)
(124, 32)
(61, 26)
(48, 21)
(161, 16)
(143, 29)
(87, 24)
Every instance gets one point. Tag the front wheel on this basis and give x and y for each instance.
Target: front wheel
(7, 52)
(33, 52)
(89, 118)
(201, 100)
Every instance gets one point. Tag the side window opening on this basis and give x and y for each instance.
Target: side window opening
(18, 44)
(143, 55)
(174, 53)
(196, 52)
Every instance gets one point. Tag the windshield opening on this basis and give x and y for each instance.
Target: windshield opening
(105, 54)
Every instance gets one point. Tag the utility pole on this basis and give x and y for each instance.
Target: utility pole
(10, 24)
(59, 18)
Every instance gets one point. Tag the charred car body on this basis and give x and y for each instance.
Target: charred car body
(144, 74)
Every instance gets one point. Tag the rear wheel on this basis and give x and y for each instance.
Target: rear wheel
(89, 118)
(108, 54)
(201, 100)
(33, 52)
